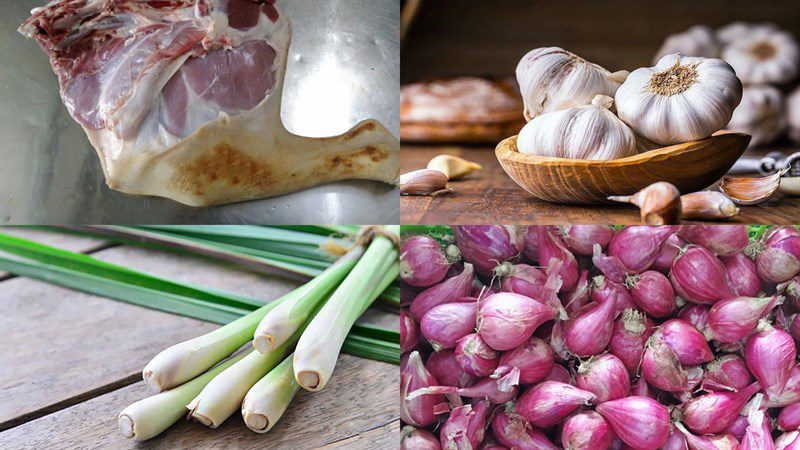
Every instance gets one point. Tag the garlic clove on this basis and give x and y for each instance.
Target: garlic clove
(705, 205)
(751, 191)
(423, 182)
(452, 166)
(659, 203)
(790, 186)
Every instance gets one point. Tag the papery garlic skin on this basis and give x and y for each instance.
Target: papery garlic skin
(793, 115)
(681, 99)
(760, 114)
(586, 132)
(737, 30)
(764, 55)
(698, 40)
(553, 79)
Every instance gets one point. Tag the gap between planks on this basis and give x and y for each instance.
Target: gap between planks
(69, 402)
(341, 443)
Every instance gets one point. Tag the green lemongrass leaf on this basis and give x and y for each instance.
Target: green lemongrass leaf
(85, 263)
(374, 349)
(323, 230)
(258, 261)
(375, 332)
(137, 295)
(289, 242)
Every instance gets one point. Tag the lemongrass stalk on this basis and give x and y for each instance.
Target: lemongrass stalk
(184, 361)
(149, 417)
(319, 346)
(268, 399)
(223, 395)
(281, 323)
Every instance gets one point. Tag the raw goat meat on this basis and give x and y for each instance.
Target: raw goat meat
(181, 99)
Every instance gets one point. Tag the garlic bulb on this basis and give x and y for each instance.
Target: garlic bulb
(698, 40)
(553, 79)
(681, 99)
(760, 114)
(793, 115)
(586, 132)
(737, 30)
(764, 55)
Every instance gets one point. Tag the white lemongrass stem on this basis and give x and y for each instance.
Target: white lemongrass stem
(268, 399)
(149, 417)
(184, 361)
(223, 395)
(319, 346)
(282, 322)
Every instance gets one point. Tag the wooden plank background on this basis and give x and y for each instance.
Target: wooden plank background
(72, 361)
(456, 37)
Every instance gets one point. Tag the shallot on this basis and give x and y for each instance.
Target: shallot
(421, 411)
(759, 431)
(727, 372)
(422, 261)
(670, 250)
(711, 413)
(550, 402)
(605, 376)
(533, 358)
(686, 341)
(465, 427)
(580, 295)
(551, 246)
(699, 277)
(418, 439)
(653, 292)
(409, 333)
(710, 442)
(444, 367)
(522, 279)
(789, 417)
(588, 332)
(587, 430)
(771, 354)
(506, 320)
(662, 369)
(475, 356)
(447, 291)
(780, 260)
(531, 249)
(445, 324)
(640, 422)
(722, 240)
(604, 289)
(791, 392)
(637, 247)
(580, 239)
(733, 319)
(487, 246)
(742, 273)
(513, 431)
(629, 337)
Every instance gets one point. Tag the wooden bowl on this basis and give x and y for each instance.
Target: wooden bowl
(690, 166)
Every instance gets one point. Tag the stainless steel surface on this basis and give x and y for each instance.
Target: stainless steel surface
(344, 66)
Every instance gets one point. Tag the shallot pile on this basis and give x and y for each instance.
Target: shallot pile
(593, 337)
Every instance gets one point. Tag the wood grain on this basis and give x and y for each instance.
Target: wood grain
(357, 410)
(489, 196)
(691, 166)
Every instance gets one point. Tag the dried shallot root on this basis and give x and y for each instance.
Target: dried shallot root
(593, 337)
(659, 203)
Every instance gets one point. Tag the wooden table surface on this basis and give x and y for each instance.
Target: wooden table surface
(489, 196)
(71, 361)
